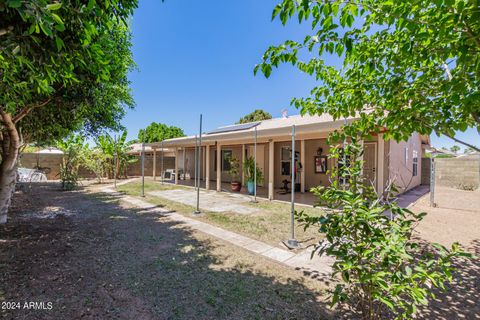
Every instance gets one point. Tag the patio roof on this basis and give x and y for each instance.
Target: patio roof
(267, 129)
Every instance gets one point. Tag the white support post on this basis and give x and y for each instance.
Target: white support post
(176, 165)
(381, 164)
(243, 160)
(271, 169)
(219, 167)
(154, 174)
(302, 161)
(207, 167)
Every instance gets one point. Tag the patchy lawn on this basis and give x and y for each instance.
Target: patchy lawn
(271, 225)
(93, 259)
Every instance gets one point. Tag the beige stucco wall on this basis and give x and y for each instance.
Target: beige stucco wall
(401, 162)
(313, 179)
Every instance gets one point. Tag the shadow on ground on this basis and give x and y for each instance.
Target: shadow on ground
(461, 299)
(95, 260)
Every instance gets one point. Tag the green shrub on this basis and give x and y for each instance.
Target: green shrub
(384, 271)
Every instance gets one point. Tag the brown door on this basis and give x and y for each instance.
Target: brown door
(370, 163)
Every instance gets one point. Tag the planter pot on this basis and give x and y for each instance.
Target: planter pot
(236, 186)
(251, 187)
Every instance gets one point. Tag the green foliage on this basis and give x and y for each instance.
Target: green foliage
(234, 168)
(156, 132)
(384, 271)
(64, 65)
(248, 170)
(455, 149)
(257, 115)
(115, 153)
(97, 162)
(408, 66)
(75, 150)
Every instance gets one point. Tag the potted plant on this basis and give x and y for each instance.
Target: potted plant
(249, 168)
(234, 174)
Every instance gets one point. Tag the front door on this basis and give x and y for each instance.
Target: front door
(370, 163)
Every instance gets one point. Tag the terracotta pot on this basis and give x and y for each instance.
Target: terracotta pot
(236, 186)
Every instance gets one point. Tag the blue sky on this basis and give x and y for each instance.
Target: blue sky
(198, 56)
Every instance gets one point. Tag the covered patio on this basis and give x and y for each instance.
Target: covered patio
(306, 198)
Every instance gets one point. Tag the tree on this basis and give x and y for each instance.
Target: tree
(156, 132)
(406, 65)
(455, 149)
(115, 151)
(74, 154)
(385, 272)
(64, 68)
(257, 115)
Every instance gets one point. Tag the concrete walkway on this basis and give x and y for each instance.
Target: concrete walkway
(316, 267)
(210, 200)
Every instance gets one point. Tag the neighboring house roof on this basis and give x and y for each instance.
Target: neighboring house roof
(434, 151)
(265, 129)
(136, 148)
(49, 151)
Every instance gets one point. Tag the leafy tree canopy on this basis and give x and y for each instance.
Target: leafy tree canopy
(156, 132)
(64, 67)
(407, 65)
(257, 115)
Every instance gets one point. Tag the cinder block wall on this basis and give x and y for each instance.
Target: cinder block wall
(426, 170)
(42, 160)
(135, 169)
(53, 162)
(461, 173)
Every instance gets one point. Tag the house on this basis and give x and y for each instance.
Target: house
(384, 160)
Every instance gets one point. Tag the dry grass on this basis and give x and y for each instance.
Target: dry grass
(271, 225)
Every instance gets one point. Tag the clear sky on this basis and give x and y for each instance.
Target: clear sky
(198, 56)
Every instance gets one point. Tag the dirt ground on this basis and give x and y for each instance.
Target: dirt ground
(93, 259)
(455, 218)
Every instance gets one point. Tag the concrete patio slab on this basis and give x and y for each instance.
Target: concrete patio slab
(209, 200)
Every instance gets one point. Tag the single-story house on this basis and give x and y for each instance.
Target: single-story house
(384, 160)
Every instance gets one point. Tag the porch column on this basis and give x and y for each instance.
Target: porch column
(241, 165)
(207, 167)
(154, 174)
(183, 164)
(380, 164)
(219, 167)
(271, 169)
(302, 161)
(176, 165)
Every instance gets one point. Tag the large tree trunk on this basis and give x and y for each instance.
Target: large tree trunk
(7, 187)
(9, 154)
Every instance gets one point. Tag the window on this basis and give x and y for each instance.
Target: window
(415, 163)
(285, 161)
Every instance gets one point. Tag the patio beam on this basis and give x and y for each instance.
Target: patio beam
(241, 167)
(219, 167)
(271, 169)
(176, 165)
(154, 174)
(207, 167)
(302, 161)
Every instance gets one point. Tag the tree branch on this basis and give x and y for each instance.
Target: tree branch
(26, 110)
